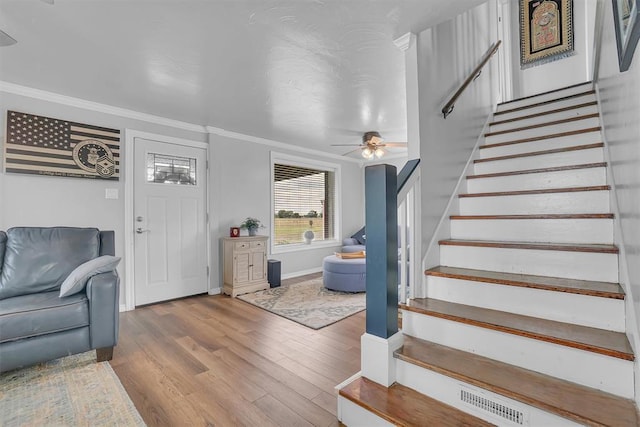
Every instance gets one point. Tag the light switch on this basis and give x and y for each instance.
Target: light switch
(110, 193)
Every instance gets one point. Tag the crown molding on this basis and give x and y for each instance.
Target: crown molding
(150, 118)
(404, 41)
(98, 107)
(272, 143)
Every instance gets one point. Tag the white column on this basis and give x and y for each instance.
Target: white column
(408, 44)
(377, 362)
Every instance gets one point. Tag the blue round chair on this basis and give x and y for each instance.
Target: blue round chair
(345, 275)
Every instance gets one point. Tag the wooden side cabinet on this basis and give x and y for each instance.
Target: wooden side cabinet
(244, 264)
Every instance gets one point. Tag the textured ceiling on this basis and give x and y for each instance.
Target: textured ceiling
(309, 73)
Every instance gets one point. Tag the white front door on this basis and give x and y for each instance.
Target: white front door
(169, 221)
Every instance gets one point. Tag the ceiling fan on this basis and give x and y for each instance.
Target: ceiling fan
(372, 145)
(7, 40)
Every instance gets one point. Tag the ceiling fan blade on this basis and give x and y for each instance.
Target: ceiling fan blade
(347, 145)
(395, 144)
(350, 152)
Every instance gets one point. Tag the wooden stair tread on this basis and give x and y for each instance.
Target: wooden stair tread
(572, 247)
(403, 406)
(542, 152)
(541, 191)
(573, 401)
(540, 216)
(542, 137)
(545, 124)
(556, 284)
(557, 110)
(539, 170)
(550, 101)
(545, 93)
(600, 341)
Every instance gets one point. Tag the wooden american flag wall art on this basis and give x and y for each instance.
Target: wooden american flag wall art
(41, 145)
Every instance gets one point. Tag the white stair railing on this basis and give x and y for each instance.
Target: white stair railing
(409, 244)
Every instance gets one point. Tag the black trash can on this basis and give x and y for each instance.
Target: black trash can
(273, 272)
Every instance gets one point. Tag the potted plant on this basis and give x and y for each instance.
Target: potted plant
(251, 224)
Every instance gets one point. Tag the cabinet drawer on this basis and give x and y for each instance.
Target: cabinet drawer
(241, 245)
(255, 245)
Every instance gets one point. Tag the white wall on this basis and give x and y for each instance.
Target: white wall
(241, 187)
(560, 73)
(620, 105)
(240, 174)
(50, 201)
(447, 54)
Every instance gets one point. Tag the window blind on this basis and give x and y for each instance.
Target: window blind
(304, 199)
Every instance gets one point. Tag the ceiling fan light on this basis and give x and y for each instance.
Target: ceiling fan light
(379, 152)
(367, 153)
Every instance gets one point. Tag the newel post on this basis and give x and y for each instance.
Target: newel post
(382, 337)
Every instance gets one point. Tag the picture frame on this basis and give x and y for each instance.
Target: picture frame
(626, 17)
(546, 31)
(234, 232)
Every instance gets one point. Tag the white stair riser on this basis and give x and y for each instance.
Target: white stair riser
(506, 112)
(546, 97)
(537, 119)
(573, 265)
(595, 370)
(541, 145)
(535, 230)
(546, 203)
(588, 177)
(447, 389)
(595, 312)
(544, 130)
(564, 158)
(353, 415)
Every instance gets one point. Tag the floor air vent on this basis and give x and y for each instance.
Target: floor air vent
(493, 406)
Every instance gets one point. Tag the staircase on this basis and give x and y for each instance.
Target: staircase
(523, 322)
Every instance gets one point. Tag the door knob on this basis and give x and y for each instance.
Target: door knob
(140, 230)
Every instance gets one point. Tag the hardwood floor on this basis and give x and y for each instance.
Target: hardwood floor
(218, 361)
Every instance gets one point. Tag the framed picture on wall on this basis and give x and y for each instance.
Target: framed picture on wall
(626, 19)
(546, 31)
(39, 145)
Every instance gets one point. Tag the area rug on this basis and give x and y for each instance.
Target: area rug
(71, 391)
(308, 303)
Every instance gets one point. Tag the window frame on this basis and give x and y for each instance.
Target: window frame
(303, 162)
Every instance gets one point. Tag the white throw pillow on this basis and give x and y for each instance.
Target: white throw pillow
(77, 280)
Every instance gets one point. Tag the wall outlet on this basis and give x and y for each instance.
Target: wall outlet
(111, 193)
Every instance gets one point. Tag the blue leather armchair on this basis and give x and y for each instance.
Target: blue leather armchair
(36, 323)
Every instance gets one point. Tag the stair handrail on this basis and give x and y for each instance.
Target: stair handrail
(448, 108)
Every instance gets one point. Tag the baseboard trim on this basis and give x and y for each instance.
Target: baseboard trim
(215, 291)
(302, 273)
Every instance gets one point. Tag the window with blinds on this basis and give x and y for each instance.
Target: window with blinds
(304, 204)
